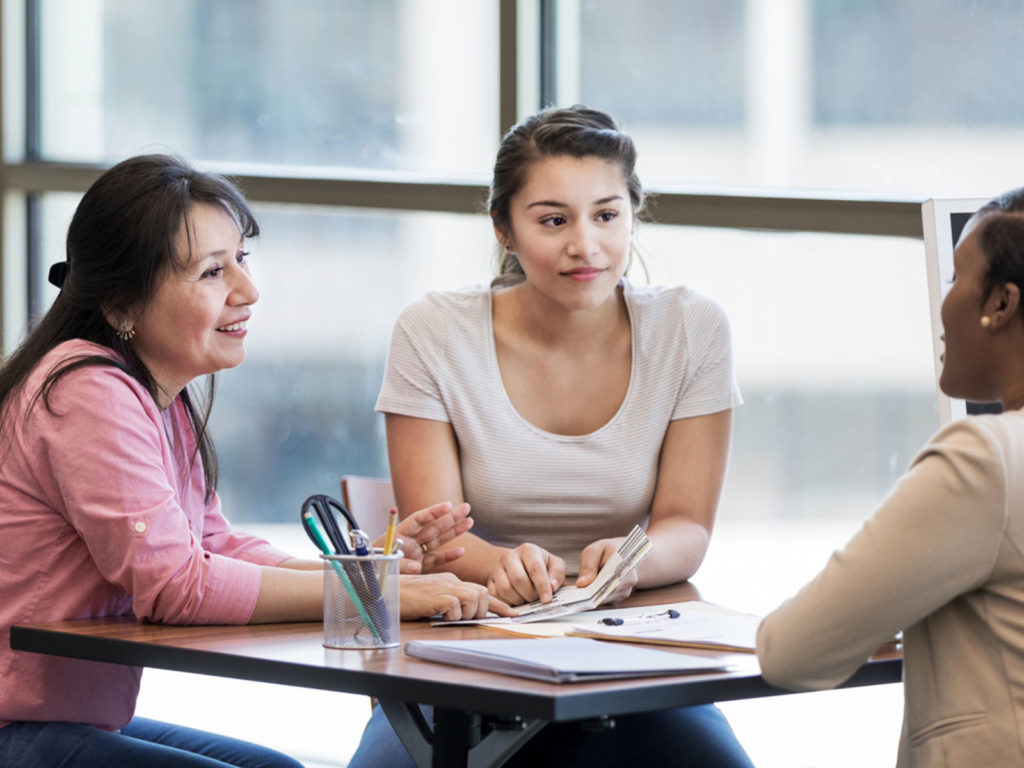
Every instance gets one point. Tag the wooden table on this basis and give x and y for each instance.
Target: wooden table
(480, 718)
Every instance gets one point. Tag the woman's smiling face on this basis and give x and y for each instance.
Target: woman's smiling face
(195, 323)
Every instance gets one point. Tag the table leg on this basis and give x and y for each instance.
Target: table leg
(459, 739)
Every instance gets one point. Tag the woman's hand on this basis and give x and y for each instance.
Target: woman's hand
(593, 557)
(526, 573)
(423, 532)
(444, 593)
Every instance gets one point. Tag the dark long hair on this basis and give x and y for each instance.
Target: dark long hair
(577, 132)
(120, 243)
(1002, 241)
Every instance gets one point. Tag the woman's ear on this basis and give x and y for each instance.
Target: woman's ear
(1003, 305)
(504, 239)
(119, 320)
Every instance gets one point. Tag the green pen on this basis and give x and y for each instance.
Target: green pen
(310, 524)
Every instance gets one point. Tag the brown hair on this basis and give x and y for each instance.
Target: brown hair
(121, 241)
(577, 132)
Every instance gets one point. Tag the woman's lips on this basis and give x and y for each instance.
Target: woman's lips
(583, 274)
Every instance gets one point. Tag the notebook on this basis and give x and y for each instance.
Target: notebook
(561, 660)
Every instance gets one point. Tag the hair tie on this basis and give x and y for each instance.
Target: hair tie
(59, 273)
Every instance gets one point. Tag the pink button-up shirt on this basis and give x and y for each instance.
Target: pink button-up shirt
(102, 513)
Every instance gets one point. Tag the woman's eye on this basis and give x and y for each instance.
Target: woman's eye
(213, 272)
(243, 256)
(607, 215)
(554, 221)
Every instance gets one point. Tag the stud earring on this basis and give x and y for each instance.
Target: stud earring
(125, 332)
(986, 321)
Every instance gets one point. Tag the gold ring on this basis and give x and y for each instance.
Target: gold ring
(424, 548)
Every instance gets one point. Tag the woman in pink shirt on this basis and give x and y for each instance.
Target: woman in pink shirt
(108, 475)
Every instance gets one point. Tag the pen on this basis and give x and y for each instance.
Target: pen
(309, 522)
(375, 598)
(616, 622)
(389, 537)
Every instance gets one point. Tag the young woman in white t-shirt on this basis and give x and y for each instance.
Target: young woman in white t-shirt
(566, 405)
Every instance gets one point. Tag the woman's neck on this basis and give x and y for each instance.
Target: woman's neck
(522, 311)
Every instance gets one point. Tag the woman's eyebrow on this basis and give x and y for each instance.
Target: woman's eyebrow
(557, 204)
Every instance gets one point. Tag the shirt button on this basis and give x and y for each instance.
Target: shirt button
(140, 526)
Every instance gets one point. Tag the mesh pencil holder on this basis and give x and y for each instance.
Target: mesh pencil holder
(361, 600)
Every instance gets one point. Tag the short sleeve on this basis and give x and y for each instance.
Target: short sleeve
(709, 385)
(415, 357)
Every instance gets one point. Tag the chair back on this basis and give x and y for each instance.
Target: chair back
(369, 499)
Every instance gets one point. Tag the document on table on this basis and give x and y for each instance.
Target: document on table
(695, 625)
(561, 660)
(572, 599)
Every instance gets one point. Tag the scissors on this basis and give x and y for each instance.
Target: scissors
(336, 521)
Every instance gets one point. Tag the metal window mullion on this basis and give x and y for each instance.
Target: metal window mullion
(33, 152)
(795, 212)
(548, 53)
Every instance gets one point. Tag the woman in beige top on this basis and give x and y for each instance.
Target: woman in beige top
(566, 405)
(941, 557)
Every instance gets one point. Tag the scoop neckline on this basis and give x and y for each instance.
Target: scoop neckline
(627, 295)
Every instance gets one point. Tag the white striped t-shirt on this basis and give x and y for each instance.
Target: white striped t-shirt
(561, 492)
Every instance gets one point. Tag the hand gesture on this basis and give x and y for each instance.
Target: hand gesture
(596, 555)
(424, 532)
(526, 573)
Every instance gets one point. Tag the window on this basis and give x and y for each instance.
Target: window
(912, 97)
(337, 84)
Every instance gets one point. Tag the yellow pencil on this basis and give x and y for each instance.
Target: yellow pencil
(389, 537)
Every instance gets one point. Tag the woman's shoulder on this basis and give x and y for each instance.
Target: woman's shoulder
(673, 303)
(987, 445)
(437, 307)
(89, 380)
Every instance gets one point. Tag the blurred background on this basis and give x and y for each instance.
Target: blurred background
(789, 144)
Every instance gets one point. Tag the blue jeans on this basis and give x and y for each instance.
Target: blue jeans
(688, 737)
(140, 743)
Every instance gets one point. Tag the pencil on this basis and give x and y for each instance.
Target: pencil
(389, 537)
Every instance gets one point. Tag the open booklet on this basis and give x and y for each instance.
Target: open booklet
(561, 660)
(571, 599)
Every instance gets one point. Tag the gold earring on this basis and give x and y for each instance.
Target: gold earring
(986, 321)
(125, 332)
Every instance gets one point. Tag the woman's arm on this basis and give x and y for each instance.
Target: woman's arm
(424, 459)
(294, 594)
(690, 475)
(935, 536)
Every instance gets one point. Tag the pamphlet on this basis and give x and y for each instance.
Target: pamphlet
(572, 599)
